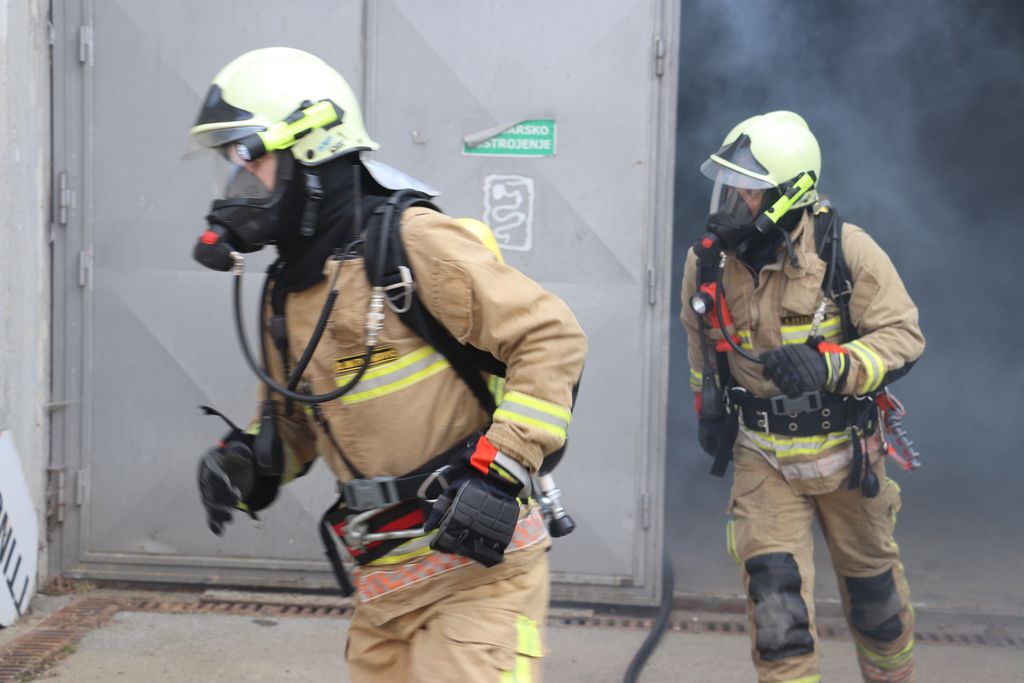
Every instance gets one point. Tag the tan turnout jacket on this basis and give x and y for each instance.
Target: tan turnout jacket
(410, 405)
(777, 308)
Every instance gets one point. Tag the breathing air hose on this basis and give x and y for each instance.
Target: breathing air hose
(668, 584)
(270, 381)
(721, 321)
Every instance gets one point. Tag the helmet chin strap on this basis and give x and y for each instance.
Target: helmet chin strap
(790, 249)
(314, 193)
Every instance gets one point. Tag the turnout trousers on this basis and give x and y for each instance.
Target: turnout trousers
(489, 633)
(769, 536)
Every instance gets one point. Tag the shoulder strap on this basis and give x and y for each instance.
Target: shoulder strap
(385, 259)
(838, 282)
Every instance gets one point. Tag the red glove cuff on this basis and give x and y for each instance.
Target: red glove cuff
(483, 455)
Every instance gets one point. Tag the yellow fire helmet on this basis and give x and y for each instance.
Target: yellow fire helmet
(280, 98)
(768, 151)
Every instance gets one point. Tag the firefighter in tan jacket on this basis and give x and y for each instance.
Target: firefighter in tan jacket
(795, 322)
(445, 546)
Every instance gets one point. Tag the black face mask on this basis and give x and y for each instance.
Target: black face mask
(730, 232)
(247, 224)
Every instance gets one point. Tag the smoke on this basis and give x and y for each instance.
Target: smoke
(918, 107)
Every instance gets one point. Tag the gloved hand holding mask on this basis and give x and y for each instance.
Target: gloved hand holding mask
(227, 477)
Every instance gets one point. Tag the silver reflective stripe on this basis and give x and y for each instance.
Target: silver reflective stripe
(820, 468)
(529, 410)
(798, 334)
(396, 375)
(874, 366)
(517, 470)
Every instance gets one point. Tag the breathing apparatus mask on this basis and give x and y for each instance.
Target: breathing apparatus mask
(743, 207)
(249, 213)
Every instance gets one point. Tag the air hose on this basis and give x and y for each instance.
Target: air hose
(721, 321)
(268, 380)
(668, 584)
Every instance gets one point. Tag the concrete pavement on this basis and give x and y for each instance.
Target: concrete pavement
(163, 647)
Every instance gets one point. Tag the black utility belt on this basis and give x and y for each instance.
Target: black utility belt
(425, 483)
(812, 414)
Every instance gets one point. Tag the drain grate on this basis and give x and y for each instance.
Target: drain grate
(53, 637)
(708, 624)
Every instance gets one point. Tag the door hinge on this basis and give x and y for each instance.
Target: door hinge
(65, 198)
(55, 497)
(652, 286)
(85, 267)
(82, 486)
(645, 510)
(85, 45)
(51, 32)
(659, 56)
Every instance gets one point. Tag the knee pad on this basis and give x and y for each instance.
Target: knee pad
(780, 613)
(875, 606)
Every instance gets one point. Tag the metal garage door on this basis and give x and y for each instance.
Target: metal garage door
(548, 120)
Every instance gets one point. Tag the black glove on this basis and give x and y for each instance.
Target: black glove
(710, 431)
(795, 369)
(475, 519)
(476, 515)
(227, 477)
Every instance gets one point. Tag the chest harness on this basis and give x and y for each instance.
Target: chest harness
(816, 412)
(374, 515)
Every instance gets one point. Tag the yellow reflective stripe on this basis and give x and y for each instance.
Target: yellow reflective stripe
(696, 379)
(525, 409)
(785, 446)
(539, 404)
(416, 547)
(394, 366)
(509, 416)
(730, 542)
(496, 385)
(745, 343)
(873, 364)
(888, 662)
(292, 467)
(816, 678)
(798, 334)
(529, 636)
(394, 376)
(527, 648)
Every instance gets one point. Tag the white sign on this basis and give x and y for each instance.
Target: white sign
(508, 209)
(19, 534)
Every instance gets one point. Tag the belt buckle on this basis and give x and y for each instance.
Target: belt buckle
(807, 402)
(438, 476)
(370, 493)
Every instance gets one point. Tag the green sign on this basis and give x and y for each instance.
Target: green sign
(525, 139)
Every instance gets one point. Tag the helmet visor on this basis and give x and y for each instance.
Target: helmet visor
(720, 174)
(198, 143)
(742, 204)
(233, 180)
